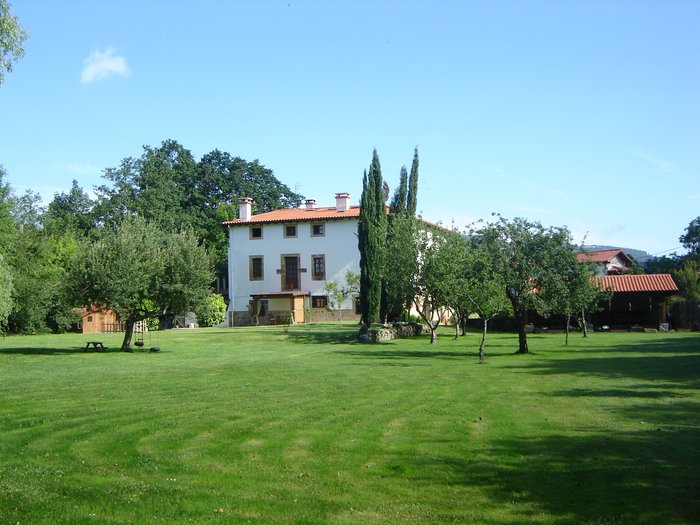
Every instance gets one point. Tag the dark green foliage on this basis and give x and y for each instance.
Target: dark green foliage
(72, 211)
(371, 232)
(212, 312)
(167, 186)
(398, 201)
(412, 200)
(400, 265)
(691, 238)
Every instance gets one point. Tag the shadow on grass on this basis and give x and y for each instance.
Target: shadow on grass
(636, 477)
(322, 337)
(676, 370)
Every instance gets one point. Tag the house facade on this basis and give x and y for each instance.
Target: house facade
(280, 261)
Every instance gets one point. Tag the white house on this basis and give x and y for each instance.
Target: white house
(279, 261)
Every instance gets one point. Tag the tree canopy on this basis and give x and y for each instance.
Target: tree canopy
(12, 38)
(141, 271)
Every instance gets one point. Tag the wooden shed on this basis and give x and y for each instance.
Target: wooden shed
(97, 320)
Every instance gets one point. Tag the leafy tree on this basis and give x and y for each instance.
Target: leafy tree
(339, 293)
(691, 238)
(531, 259)
(5, 293)
(212, 312)
(168, 186)
(575, 293)
(71, 211)
(482, 289)
(8, 227)
(433, 280)
(142, 271)
(152, 187)
(12, 38)
(371, 232)
(687, 278)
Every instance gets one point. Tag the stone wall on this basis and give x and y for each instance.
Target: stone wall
(389, 332)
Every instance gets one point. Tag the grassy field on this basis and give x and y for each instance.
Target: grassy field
(263, 426)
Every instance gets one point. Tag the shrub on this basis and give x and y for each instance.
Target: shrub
(212, 312)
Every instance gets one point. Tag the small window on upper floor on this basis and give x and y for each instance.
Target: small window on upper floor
(256, 232)
(290, 230)
(318, 230)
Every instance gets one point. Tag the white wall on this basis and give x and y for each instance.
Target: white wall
(339, 245)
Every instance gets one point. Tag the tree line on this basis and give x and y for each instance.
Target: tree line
(149, 241)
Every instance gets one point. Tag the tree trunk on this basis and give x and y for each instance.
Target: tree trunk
(584, 324)
(457, 323)
(433, 332)
(128, 332)
(483, 340)
(522, 336)
(568, 326)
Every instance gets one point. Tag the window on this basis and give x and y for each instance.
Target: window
(319, 301)
(318, 267)
(290, 230)
(89, 319)
(255, 268)
(256, 232)
(318, 230)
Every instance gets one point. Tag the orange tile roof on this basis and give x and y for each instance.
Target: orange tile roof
(299, 215)
(601, 255)
(659, 282)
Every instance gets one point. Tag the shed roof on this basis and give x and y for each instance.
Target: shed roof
(659, 282)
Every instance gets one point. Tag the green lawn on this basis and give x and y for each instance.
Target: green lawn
(262, 426)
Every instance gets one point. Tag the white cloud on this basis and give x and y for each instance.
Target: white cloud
(101, 65)
(663, 165)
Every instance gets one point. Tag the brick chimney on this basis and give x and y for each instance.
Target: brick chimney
(245, 208)
(310, 204)
(342, 201)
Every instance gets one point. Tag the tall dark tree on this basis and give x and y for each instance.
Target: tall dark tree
(398, 201)
(400, 255)
(412, 199)
(371, 232)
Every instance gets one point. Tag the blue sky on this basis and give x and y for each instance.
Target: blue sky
(584, 114)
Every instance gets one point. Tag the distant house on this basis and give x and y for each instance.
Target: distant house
(100, 319)
(608, 262)
(280, 261)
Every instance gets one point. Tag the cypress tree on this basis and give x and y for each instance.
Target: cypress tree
(412, 204)
(398, 201)
(371, 232)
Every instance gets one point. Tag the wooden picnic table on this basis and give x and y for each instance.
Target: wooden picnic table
(97, 346)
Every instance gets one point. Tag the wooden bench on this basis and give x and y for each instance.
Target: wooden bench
(97, 346)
